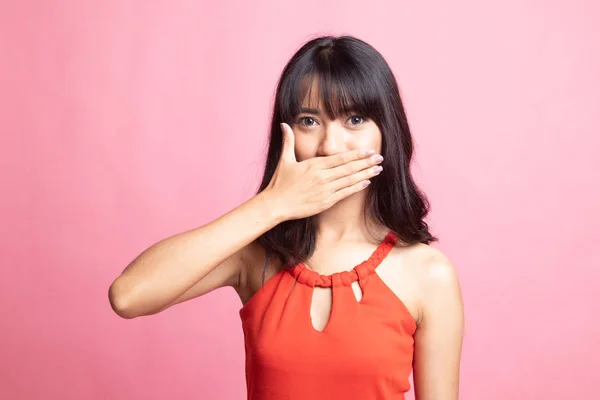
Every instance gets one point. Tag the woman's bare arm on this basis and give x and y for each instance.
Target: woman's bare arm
(191, 263)
(439, 336)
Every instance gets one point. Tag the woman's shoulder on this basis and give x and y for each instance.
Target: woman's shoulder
(433, 275)
(427, 262)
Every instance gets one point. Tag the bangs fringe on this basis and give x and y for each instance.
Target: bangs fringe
(343, 90)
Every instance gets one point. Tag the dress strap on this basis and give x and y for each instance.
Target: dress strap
(382, 250)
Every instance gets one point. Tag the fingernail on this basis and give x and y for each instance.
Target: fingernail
(369, 152)
(378, 159)
(377, 169)
(366, 183)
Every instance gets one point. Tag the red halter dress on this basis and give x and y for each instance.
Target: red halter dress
(365, 351)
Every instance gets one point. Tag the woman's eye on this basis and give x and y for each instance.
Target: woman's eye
(356, 120)
(307, 121)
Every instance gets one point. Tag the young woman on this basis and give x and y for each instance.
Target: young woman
(343, 296)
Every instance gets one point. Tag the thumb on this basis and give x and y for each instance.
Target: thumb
(287, 151)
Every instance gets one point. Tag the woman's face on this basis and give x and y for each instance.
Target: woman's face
(316, 135)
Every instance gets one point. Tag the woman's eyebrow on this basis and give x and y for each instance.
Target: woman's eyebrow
(315, 111)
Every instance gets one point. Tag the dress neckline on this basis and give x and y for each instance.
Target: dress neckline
(307, 276)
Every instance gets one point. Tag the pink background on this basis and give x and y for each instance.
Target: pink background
(123, 122)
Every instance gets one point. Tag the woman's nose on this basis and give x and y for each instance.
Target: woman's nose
(333, 140)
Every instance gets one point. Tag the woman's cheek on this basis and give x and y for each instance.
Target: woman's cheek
(369, 140)
(302, 153)
(305, 148)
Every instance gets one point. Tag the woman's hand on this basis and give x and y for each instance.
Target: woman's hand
(302, 189)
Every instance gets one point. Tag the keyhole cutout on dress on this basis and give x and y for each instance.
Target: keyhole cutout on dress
(321, 305)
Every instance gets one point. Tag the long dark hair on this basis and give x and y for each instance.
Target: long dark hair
(353, 77)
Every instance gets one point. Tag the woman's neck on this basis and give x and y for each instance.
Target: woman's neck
(346, 221)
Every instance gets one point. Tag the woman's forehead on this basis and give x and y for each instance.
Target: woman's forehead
(311, 91)
(312, 100)
(314, 95)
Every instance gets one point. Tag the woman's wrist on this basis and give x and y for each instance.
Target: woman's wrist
(269, 203)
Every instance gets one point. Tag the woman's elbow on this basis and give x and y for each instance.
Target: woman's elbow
(120, 302)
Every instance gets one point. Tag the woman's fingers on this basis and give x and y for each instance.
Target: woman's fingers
(357, 177)
(288, 153)
(353, 167)
(336, 160)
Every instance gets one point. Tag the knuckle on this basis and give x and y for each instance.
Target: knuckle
(316, 178)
